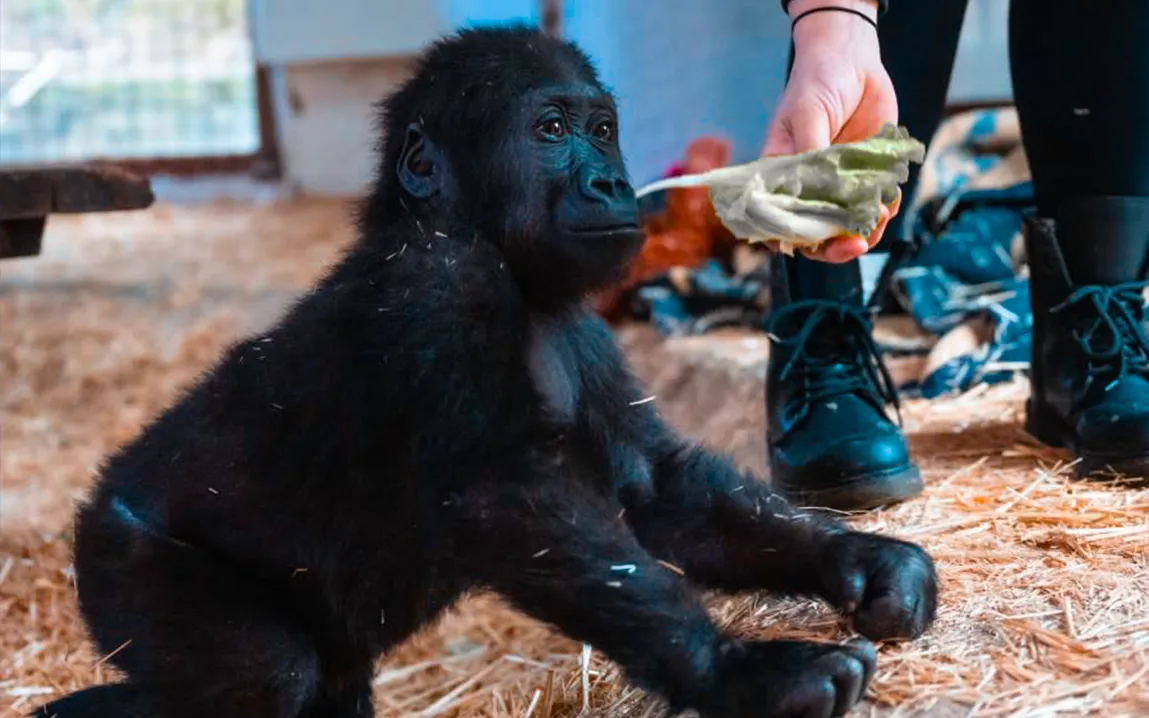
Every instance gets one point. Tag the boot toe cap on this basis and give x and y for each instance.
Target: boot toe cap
(1118, 425)
(1110, 443)
(851, 457)
(855, 472)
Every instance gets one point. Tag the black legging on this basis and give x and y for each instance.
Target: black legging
(1080, 75)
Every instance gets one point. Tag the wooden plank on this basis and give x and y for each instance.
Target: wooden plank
(21, 237)
(24, 196)
(30, 192)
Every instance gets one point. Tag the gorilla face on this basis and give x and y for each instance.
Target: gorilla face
(573, 222)
(533, 162)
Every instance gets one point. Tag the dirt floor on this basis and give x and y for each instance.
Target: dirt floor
(1046, 588)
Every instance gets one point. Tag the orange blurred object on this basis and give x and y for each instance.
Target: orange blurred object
(685, 234)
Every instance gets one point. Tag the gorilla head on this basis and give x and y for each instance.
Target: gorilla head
(531, 162)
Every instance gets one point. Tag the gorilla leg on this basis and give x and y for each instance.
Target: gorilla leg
(562, 554)
(194, 636)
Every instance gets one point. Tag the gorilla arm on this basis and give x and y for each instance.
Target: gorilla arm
(731, 532)
(558, 552)
(515, 518)
(727, 530)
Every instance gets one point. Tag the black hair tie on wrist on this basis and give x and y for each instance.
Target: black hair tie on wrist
(835, 8)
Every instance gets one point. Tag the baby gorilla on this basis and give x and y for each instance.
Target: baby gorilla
(441, 414)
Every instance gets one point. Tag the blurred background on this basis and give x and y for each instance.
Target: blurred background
(283, 88)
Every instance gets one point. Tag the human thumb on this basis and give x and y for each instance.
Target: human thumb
(809, 128)
(779, 141)
(804, 128)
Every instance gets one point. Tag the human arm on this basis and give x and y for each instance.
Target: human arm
(838, 91)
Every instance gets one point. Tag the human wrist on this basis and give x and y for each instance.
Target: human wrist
(869, 8)
(834, 27)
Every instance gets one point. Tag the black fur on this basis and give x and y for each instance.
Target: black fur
(442, 414)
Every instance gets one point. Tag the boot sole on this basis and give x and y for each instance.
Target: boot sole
(1045, 426)
(860, 493)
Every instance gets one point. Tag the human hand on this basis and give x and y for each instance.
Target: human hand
(838, 91)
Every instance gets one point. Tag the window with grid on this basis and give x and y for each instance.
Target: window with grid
(125, 79)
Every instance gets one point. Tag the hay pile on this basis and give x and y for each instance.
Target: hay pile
(1046, 583)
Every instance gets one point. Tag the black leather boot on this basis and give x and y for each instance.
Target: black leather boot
(831, 443)
(1090, 372)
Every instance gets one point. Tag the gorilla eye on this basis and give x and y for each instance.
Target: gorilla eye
(604, 131)
(552, 128)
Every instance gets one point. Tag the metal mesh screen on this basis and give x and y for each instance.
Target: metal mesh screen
(118, 79)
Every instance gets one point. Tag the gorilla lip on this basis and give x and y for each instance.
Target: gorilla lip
(604, 228)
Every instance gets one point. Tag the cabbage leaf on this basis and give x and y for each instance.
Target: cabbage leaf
(805, 199)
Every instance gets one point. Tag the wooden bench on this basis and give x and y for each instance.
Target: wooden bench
(29, 194)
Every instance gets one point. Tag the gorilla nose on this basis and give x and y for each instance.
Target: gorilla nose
(606, 187)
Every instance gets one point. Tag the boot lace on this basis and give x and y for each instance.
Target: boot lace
(1114, 342)
(852, 365)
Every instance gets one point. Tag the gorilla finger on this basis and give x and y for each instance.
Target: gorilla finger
(849, 682)
(888, 618)
(927, 611)
(867, 654)
(846, 588)
(812, 697)
(904, 597)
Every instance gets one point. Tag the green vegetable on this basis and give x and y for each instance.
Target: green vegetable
(803, 200)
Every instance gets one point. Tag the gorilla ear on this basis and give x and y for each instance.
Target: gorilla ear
(420, 167)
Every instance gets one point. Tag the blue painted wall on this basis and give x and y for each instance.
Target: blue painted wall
(680, 68)
(464, 12)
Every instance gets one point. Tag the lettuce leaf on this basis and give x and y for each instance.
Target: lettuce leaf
(805, 199)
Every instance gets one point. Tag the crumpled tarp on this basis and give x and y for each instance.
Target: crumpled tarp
(696, 300)
(966, 284)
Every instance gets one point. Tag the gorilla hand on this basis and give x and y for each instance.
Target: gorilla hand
(886, 586)
(783, 679)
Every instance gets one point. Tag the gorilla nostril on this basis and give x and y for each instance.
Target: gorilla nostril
(605, 187)
(609, 189)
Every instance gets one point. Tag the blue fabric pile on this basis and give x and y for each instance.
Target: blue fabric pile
(687, 301)
(965, 284)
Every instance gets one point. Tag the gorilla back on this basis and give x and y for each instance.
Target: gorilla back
(441, 414)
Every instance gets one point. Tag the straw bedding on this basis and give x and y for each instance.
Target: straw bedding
(1046, 584)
